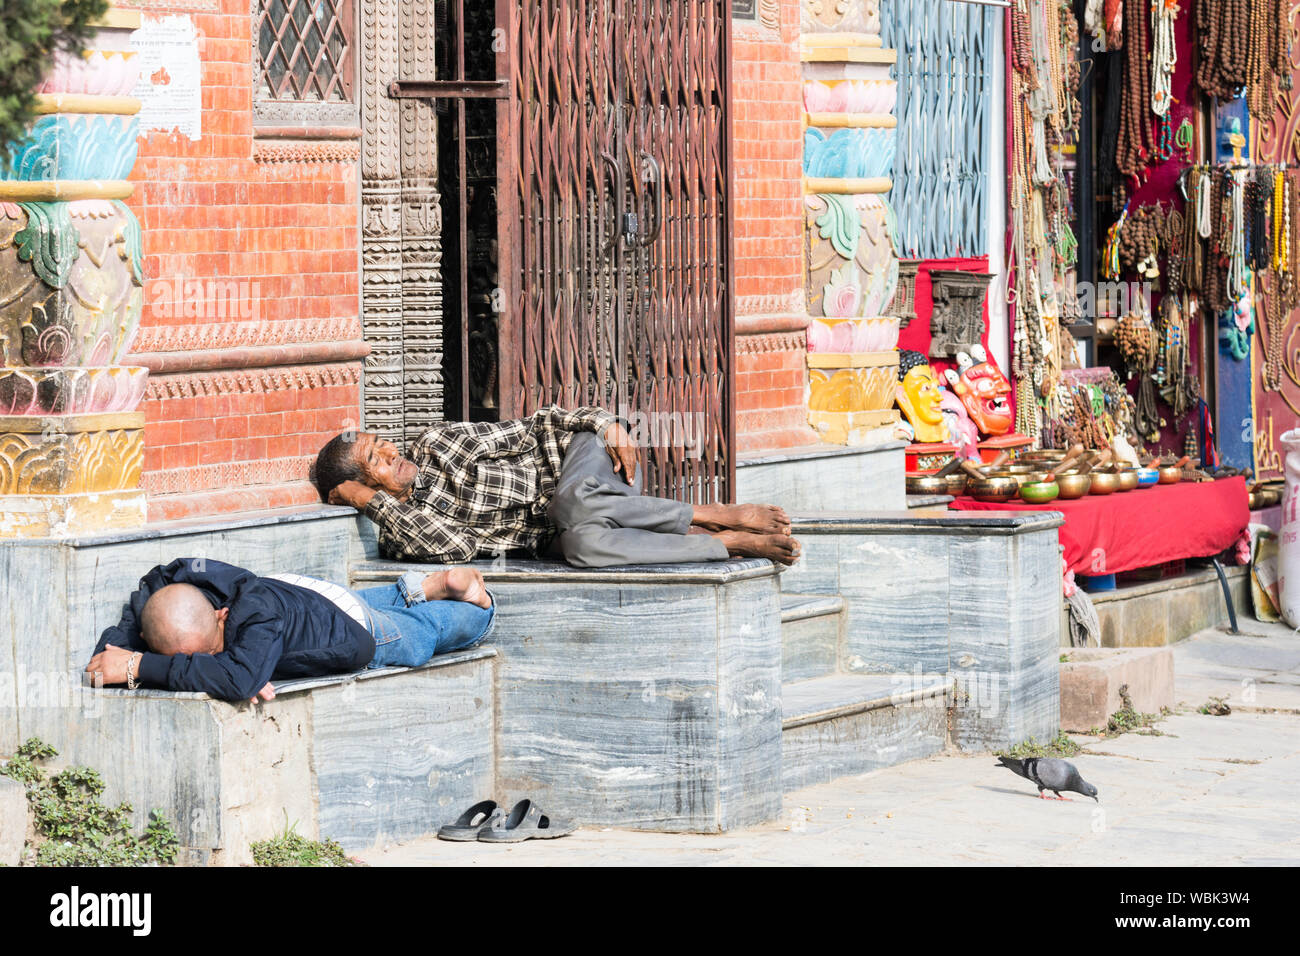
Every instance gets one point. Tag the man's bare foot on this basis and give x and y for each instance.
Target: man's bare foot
(457, 584)
(780, 548)
(756, 519)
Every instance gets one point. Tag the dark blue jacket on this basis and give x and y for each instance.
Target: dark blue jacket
(274, 630)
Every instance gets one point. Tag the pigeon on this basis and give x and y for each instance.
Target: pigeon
(1050, 774)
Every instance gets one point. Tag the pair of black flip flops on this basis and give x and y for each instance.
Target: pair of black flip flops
(487, 822)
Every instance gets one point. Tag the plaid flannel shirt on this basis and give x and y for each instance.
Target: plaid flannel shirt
(482, 488)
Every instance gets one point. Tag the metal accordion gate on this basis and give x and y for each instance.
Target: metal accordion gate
(614, 159)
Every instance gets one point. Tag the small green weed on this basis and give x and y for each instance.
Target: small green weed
(76, 828)
(1059, 746)
(292, 849)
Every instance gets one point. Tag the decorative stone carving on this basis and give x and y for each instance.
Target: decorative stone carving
(70, 455)
(852, 271)
(847, 16)
(381, 219)
(401, 238)
(904, 304)
(957, 323)
(60, 391)
(72, 283)
(849, 153)
(71, 297)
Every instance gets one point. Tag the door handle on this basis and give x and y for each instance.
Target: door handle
(655, 185)
(609, 237)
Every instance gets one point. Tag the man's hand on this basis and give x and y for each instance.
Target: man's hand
(109, 665)
(622, 452)
(352, 493)
(267, 693)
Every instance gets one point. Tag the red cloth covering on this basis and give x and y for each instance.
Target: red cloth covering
(1107, 534)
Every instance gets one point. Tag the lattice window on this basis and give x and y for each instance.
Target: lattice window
(305, 51)
(945, 91)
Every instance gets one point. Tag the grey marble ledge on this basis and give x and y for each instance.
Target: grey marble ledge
(802, 607)
(843, 695)
(928, 501)
(815, 451)
(308, 684)
(192, 526)
(537, 572)
(998, 523)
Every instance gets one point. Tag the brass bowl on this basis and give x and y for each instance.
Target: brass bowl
(1021, 468)
(1104, 483)
(1040, 492)
(1128, 479)
(1044, 454)
(926, 485)
(1073, 486)
(1023, 477)
(997, 489)
(1170, 475)
(956, 484)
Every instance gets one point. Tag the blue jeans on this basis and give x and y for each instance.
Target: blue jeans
(409, 636)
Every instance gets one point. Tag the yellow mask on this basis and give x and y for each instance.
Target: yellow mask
(919, 397)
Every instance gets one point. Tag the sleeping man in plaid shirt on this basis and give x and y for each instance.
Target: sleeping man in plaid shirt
(559, 484)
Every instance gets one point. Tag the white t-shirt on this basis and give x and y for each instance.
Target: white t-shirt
(339, 596)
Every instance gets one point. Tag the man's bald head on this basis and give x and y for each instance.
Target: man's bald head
(179, 619)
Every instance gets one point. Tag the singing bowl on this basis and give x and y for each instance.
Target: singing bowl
(1148, 477)
(1044, 454)
(998, 489)
(1169, 475)
(1073, 486)
(1128, 479)
(957, 483)
(1022, 477)
(926, 485)
(1040, 492)
(1104, 483)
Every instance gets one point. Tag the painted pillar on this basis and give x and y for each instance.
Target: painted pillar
(71, 294)
(852, 269)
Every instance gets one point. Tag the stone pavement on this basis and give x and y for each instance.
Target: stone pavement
(1208, 791)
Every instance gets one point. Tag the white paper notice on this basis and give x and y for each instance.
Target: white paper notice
(170, 84)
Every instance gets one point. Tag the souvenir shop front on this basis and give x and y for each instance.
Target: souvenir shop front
(1152, 250)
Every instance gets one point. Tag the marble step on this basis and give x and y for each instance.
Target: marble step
(811, 627)
(848, 724)
(975, 595)
(642, 697)
(368, 758)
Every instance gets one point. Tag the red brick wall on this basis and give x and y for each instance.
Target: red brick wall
(284, 235)
(771, 364)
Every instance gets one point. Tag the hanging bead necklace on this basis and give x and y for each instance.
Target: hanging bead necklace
(1164, 55)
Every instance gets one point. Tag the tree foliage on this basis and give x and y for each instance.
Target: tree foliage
(30, 33)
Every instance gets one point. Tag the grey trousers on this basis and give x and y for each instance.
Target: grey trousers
(604, 522)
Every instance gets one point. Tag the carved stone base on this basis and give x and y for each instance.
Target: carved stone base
(71, 454)
(854, 428)
(51, 516)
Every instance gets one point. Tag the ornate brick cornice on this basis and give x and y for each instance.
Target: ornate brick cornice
(771, 304)
(236, 474)
(771, 342)
(306, 151)
(191, 385)
(226, 335)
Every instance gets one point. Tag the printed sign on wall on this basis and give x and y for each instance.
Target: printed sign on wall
(170, 84)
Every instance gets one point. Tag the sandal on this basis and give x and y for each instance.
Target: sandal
(472, 822)
(526, 822)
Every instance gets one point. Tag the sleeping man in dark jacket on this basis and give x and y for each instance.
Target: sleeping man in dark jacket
(201, 625)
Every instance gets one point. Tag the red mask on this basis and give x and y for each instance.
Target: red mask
(983, 390)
